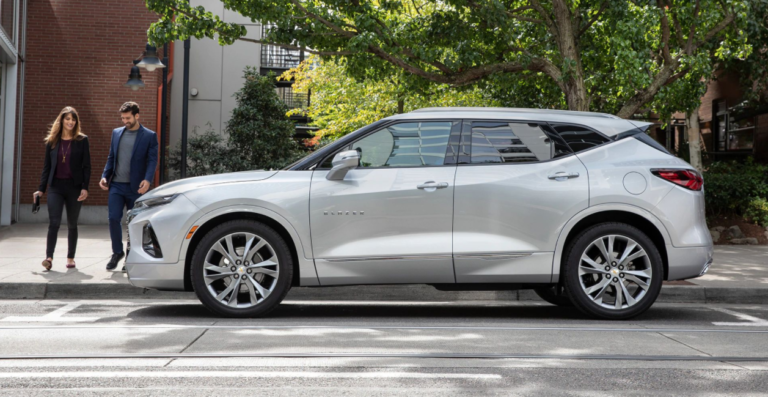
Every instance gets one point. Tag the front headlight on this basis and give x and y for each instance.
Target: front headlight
(144, 205)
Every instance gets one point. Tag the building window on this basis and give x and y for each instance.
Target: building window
(734, 127)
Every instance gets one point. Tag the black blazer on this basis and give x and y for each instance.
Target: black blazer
(79, 165)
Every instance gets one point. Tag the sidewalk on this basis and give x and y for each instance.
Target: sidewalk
(739, 275)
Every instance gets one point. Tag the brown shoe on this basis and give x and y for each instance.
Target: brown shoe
(47, 264)
(71, 265)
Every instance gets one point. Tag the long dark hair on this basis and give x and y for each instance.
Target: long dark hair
(54, 133)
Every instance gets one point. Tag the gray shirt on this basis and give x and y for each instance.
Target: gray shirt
(124, 151)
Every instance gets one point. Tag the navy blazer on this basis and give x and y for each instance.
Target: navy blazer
(143, 158)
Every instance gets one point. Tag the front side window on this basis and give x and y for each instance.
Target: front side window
(503, 142)
(405, 145)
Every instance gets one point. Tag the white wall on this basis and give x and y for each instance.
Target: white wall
(215, 71)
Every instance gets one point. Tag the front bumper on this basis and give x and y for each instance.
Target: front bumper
(688, 262)
(164, 277)
(170, 224)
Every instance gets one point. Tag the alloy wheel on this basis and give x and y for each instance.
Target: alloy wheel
(241, 270)
(615, 272)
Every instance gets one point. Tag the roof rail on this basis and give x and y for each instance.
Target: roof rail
(515, 110)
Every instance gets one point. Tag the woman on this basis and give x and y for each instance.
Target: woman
(67, 171)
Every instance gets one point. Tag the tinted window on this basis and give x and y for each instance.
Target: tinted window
(404, 145)
(579, 138)
(502, 142)
(643, 137)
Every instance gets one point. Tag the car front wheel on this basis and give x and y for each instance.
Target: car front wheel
(613, 271)
(241, 268)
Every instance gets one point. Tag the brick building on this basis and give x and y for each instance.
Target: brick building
(78, 53)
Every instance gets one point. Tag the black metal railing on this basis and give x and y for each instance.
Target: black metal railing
(276, 57)
(294, 100)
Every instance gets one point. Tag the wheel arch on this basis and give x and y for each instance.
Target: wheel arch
(633, 216)
(210, 221)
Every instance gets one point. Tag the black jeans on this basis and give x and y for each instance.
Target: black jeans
(63, 192)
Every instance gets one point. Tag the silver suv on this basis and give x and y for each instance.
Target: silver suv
(583, 208)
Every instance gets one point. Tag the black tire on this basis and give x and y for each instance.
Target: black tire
(573, 280)
(282, 283)
(554, 294)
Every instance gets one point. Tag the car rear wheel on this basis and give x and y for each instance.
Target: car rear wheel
(241, 268)
(613, 271)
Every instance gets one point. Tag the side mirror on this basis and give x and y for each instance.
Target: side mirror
(342, 163)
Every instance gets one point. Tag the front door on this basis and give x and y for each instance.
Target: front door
(518, 187)
(390, 220)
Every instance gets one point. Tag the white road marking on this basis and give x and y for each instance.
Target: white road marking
(752, 320)
(241, 374)
(54, 316)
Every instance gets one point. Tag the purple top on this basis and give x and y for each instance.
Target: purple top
(62, 168)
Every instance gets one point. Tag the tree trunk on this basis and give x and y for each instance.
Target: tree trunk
(400, 106)
(576, 94)
(694, 143)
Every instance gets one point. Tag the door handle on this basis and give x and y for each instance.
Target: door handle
(562, 176)
(433, 185)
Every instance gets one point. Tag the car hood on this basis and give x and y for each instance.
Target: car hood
(185, 185)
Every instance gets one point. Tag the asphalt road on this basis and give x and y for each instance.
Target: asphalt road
(369, 348)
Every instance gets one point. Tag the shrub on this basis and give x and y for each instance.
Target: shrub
(260, 134)
(207, 154)
(730, 186)
(757, 211)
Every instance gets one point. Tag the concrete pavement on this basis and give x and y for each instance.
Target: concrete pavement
(163, 347)
(739, 275)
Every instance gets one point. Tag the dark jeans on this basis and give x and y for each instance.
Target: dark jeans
(63, 192)
(120, 196)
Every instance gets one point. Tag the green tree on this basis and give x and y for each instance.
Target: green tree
(259, 133)
(340, 104)
(609, 55)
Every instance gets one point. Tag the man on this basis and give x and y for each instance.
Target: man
(129, 171)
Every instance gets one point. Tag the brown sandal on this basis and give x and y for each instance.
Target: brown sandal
(71, 265)
(47, 264)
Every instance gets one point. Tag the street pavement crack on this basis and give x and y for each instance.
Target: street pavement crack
(193, 342)
(684, 344)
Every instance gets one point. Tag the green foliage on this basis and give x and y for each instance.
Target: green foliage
(259, 135)
(340, 104)
(757, 211)
(730, 186)
(753, 70)
(616, 56)
(207, 154)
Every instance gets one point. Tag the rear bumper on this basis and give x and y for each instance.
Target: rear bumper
(160, 276)
(688, 262)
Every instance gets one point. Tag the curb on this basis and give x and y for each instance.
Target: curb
(373, 293)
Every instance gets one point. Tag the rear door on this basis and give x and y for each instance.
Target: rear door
(517, 184)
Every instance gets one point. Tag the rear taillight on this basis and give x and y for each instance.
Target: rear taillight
(688, 179)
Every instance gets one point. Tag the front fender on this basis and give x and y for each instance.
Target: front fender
(307, 270)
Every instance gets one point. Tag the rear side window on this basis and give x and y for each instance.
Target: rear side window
(579, 138)
(646, 139)
(503, 142)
